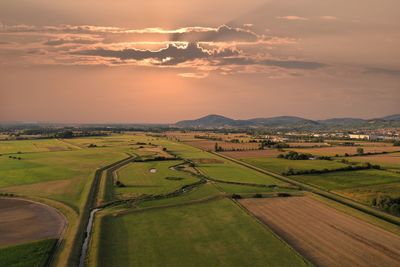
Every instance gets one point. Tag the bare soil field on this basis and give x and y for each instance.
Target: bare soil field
(325, 236)
(307, 144)
(391, 160)
(266, 153)
(341, 150)
(361, 143)
(209, 145)
(24, 221)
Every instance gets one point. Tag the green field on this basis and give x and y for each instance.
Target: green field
(202, 192)
(366, 194)
(245, 189)
(283, 165)
(139, 180)
(223, 170)
(57, 175)
(27, 255)
(215, 233)
(28, 146)
(348, 179)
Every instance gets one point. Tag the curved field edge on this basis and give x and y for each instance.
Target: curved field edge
(214, 230)
(63, 243)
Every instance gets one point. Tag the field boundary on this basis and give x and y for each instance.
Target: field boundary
(335, 197)
(254, 217)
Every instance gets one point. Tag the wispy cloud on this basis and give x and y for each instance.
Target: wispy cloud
(196, 75)
(292, 18)
(328, 17)
(384, 71)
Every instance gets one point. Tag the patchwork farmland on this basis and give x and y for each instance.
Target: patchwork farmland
(189, 202)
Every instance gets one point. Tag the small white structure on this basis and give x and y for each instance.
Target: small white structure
(360, 136)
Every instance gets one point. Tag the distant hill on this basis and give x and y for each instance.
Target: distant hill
(212, 121)
(342, 122)
(288, 122)
(283, 121)
(395, 117)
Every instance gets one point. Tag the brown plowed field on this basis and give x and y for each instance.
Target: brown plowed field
(342, 150)
(266, 153)
(24, 221)
(325, 236)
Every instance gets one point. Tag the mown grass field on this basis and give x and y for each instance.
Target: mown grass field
(217, 168)
(57, 175)
(282, 165)
(197, 194)
(138, 178)
(215, 233)
(246, 189)
(389, 161)
(27, 255)
(348, 179)
(366, 194)
(40, 145)
(209, 145)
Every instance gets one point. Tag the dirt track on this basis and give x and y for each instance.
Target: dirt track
(325, 236)
(24, 221)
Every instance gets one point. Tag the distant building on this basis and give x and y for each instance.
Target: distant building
(360, 136)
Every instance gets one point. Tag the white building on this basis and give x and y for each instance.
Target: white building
(360, 136)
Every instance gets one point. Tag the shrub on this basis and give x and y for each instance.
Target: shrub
(293, 155)
(283, 194)
(258, 195)
(119, 184)
(236, 196)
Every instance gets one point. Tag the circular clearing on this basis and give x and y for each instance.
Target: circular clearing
(23, 221)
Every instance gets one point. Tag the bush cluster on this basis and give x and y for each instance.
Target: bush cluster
(388, 204)
(293, 155)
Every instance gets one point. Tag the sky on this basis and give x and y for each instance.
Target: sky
(160, 61)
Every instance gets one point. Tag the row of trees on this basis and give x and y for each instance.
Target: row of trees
(364, 166)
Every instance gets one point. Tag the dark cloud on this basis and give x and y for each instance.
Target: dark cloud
(286, 64)
(221, 34)
(171, 55)
(293, 64)
(61, 41)
(384, 71)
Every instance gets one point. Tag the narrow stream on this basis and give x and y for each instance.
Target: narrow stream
(87, 238)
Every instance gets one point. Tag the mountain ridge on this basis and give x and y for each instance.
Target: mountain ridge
(219, 121)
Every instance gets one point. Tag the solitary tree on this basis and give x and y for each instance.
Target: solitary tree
(360, 151)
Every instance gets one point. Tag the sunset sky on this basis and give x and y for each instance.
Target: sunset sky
(163, 61)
